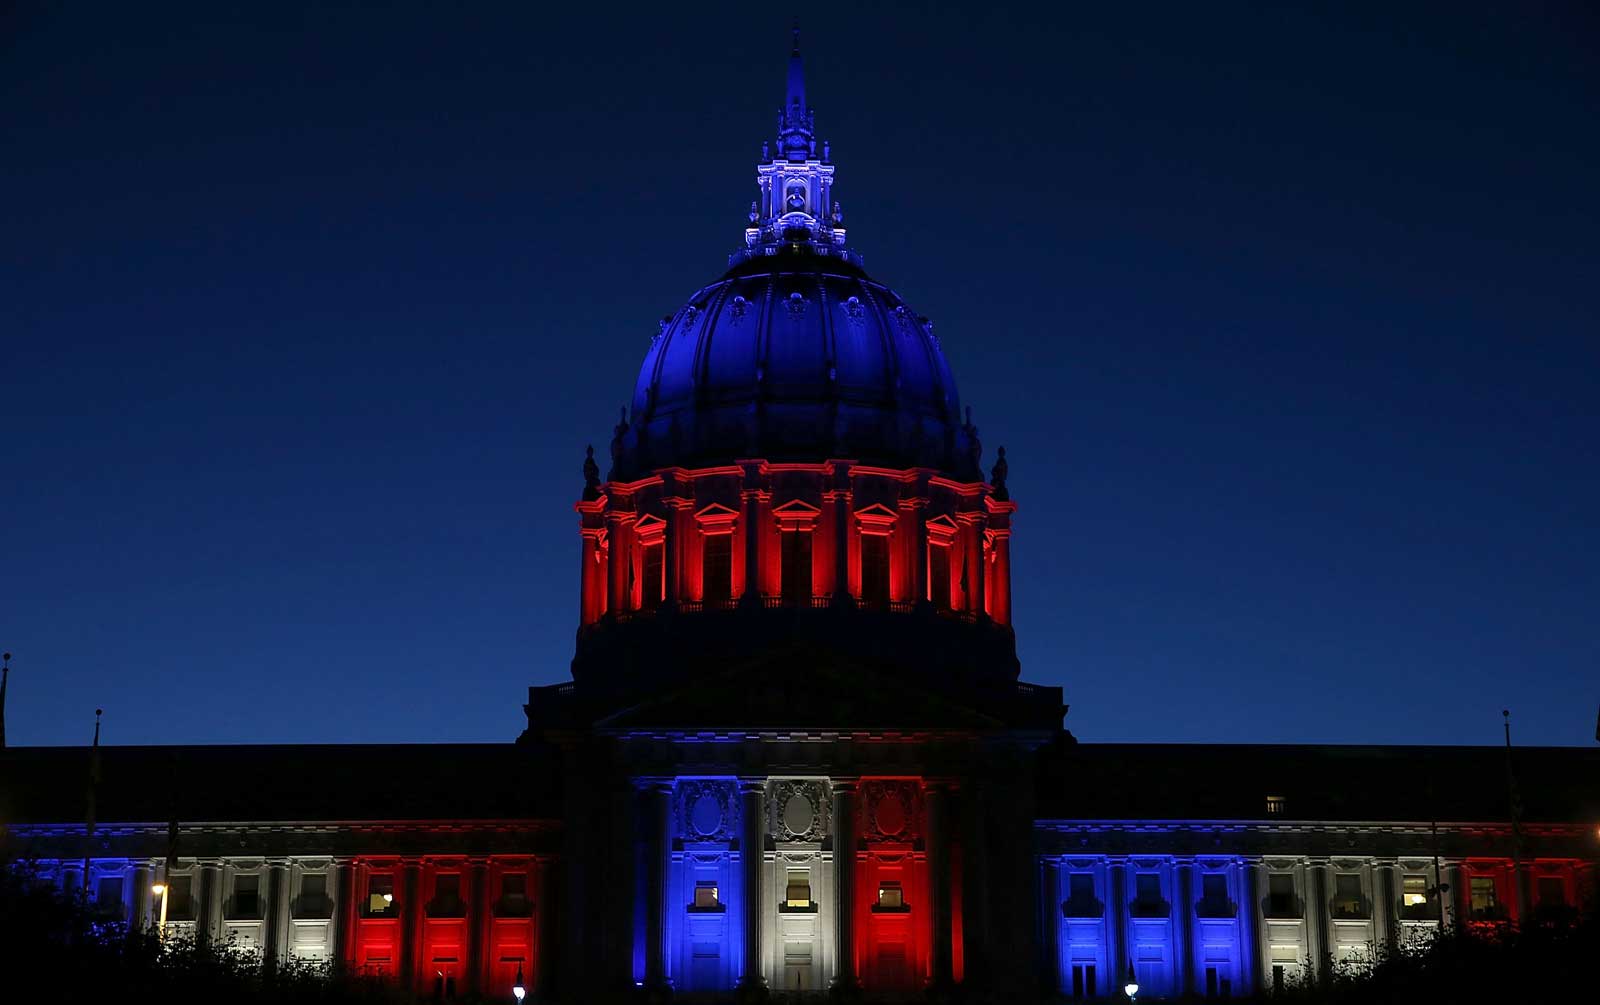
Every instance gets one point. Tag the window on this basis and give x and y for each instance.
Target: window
(1281, 902)
(653, 589)
(1276, 806)
(706, 896)
(718, 568)
(108, 895)
(246, 895)
(1083, 981)
(1414, 891)
(797, 892)
(380, 895)
(1552, 892)
(180, 898)
(875, 570)
(447, 902)
(939, 576)
(796, 565)
(1483, 903)
(514, 896)
(1081, 902)
(890, 896)
(1347, 901)
(313, 901)
(1147, 902)
(1214, 902)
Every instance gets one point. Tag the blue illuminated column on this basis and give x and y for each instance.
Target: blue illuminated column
(1117, 907)
(1185, 936)
(655, 810)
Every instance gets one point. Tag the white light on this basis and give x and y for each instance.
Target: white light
(1130, 989)
(388, 898)
(520, 992)
(158, 888)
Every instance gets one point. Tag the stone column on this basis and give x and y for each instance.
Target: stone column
(139, 916)
(1316, 912)
(1050, 926)
(841, 544)
(751, 848)
(751, 497)
(619, 543)
(208, 920)
(655, 809)
(844, 876)
(937, 849)
(410, 920)
(1185, 937)
(477, 926)
(919, 552)
(1250, 939)
(1453, 898)
(545, 910)
(345, 896)
(1117, 906)
(1384, 900)
(277, 917)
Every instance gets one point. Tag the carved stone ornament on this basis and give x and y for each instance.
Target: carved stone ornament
(706, 810)
(737, 308)
(854, 311)
(893, 811)
(796, 305)
(798, 810)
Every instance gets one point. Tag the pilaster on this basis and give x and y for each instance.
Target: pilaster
(844, 874)
(751, 846)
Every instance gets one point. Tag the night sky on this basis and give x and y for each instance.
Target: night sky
(1287, 318)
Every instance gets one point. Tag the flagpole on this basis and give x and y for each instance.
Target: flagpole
(5, 677)
(1516, 823)
(94, 780)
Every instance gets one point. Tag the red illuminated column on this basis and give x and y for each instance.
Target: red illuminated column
(844, 878)
(751, 497)
(679, 522)
(620, 542)
(935, 799)
(345, 897)
(917, 547)
(841, 534)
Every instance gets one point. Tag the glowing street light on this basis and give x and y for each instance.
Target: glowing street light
(518, 990)
(160, 890)
(1131, 989)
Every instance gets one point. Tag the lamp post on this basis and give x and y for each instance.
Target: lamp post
(160, 890)
(1131, 989)
(519, 990)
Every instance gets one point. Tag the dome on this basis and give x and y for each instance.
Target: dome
(795, 356)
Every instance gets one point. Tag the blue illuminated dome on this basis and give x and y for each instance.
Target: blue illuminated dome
(795, 353)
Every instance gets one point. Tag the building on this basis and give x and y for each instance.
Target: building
(796, 753)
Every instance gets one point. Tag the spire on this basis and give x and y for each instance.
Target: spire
(796, 133)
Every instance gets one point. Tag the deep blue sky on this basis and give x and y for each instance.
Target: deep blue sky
(1288, 319)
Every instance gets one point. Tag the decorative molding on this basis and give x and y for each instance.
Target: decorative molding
(799, 810)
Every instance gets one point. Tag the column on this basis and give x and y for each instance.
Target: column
(410, 921)
(1185, 910)
(751, 497)
(1452, 899)
(656, 814)
(1050, 926)
(1250, 939)
(1386, 930)
(841, 547)
(544, 930)
(143, 876)
(620, 544)
(1117, 907)
(1316, 912)
(844, 875)
(345, 895)
(919, 552)
(751, 902)
(477, 926)
(277, 919)
(937, 848)
(208, 920)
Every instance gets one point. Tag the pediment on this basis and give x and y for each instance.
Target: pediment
(797, 507)
(716, 515)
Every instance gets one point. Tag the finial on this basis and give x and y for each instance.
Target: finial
(796, 50)
(617, 434)
(591, 475)
(97, 714)
(827, 153)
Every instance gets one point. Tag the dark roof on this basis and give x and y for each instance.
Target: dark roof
(321, 782)
(1116, 781)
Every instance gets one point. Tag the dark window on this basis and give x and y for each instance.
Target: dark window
(108, 896)
(1552, 892)
(875, 570)
(653, 589)
(939, 576)
(1277, 978)
(796, 563)
(1214, 902)
(1347, 902)
(1083, 981)
(180, 898)
(1281, 901)
(447, 901)
(1147, 900)
(513, 896)
(718, 569)
(313, 901)
(380, 901)
(246, 896)
(1211, 982)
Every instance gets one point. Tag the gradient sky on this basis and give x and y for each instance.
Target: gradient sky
(1287, 318)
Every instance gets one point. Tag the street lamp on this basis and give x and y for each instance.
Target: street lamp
(160, 890)
(1132, 987)
(518, 990)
